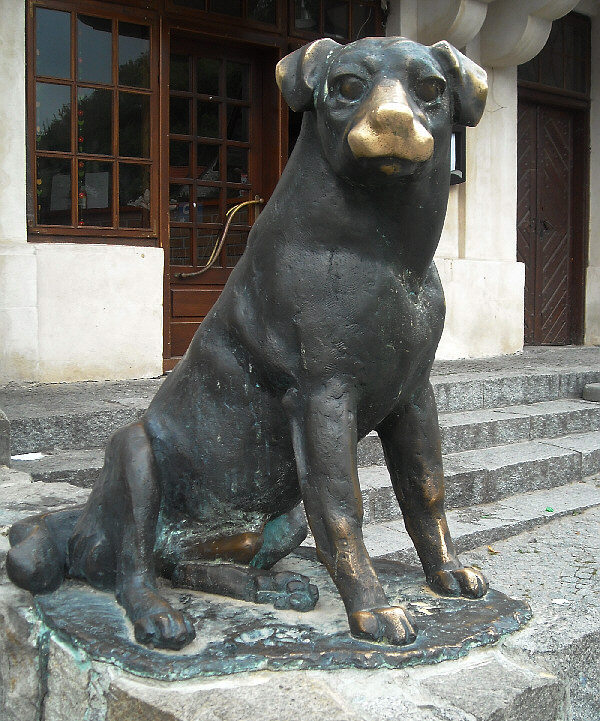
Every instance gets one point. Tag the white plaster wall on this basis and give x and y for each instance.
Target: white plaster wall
(100, 311)
(592, 302)
(484, 301)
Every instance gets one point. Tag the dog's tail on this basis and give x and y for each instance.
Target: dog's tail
(37, 560)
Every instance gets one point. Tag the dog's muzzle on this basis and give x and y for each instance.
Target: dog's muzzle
(387, 127)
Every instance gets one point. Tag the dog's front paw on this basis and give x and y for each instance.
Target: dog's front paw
(467, 581)
(167, 629)
(386, 625)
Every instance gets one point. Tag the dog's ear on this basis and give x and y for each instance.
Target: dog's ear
(299, 72)
(467, 81)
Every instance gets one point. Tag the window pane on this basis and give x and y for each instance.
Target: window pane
(179, 116)
(179, 203)
(228, 7)
(94, 36)
(207, 204)
(237, 80)
(53, 117)
(336, 19)
(94, 121)
(552, 70)
(207, 239)
(263, 10)
(134, 196)
(181, 246)
(53, 43)
(234, 197)
(207, 162)
(179, 158)
(529, 71)
(134, 125)
(95, 193)
(208, 119)
(179, 72)
(237, 165)
(196, 4)
(307, 14)
(235, 246)
(575, 75)
(53, 191)
(134, 55)
(363, 21)
(237, 123)
(208, 76)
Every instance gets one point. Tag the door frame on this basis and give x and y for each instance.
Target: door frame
(580, 199)
(206, 32)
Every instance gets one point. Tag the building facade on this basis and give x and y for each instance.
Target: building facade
(130, 129)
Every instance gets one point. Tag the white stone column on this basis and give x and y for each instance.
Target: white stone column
(592, 299)
(18, 274)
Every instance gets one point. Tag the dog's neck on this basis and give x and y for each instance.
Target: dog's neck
(399, 221)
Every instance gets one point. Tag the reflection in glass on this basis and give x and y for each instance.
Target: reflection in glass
(336, 19)
(262, 10)
(179, 158)
(228, 7)
(94, 120)
(94, 43)
(307, 14)
(207, 204)
(134, 125)
(208, 76)
(53, 117)
(363, 21)
(53, 188)
(179, 116)
(181, 246)
(196, 4)
(94, 196)
(53, 43)
(237, 123)
(235, 246)
(134, 196)
(237, 80)
(134, 55)
(235, 196)
(237, 165)
(205, 243)
(179, 203)
(207, 162)
(179, 72)
(208, 119)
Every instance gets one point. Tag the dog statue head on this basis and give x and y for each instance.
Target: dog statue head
(384, 106)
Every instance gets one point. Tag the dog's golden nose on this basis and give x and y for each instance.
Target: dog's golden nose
(392, 116)
(387, 126)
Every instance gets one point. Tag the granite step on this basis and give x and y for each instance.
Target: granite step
(470, 430)
(490, 474)
(83, 415)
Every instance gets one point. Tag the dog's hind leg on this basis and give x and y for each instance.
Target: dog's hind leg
(412, 447)
(281, 536)
(283, 589)
(113, 542)
(38, 557)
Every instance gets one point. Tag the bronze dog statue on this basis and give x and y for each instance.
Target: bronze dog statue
(326, 330)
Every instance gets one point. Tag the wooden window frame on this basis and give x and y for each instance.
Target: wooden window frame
(89, 233)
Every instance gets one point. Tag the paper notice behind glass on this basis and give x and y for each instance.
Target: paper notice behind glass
(96, 189)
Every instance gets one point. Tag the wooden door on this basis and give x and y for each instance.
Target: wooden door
(547, 238)
(222, 103)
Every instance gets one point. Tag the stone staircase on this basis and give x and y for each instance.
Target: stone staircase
(522, 463)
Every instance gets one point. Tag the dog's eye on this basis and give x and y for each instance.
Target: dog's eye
(430, 89)
(351, 87)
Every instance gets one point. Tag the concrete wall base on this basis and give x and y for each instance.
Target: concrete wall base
(73, 312)
(484, 300)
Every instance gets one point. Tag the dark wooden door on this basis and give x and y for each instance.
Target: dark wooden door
(222, 104)
(546, 237)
